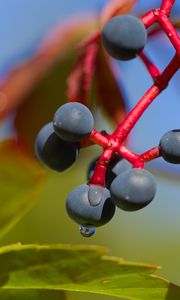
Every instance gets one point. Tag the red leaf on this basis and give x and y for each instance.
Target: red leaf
(109, 94)
(115, 8)
(23, 79)
(80, 78)
(48, 92)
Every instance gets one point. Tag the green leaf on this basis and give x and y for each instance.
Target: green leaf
(16, 294)
(80, 269)
(20, 183)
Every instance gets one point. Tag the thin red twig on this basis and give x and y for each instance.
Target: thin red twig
(115, 142)
(127, 154)
(101, 168)
(166, 6)
(99, 139)
(161, 81)
(152, 69)
(150, 154)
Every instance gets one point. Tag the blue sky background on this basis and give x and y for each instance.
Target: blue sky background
(23, 23)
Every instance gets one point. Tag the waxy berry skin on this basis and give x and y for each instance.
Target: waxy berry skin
(116, 166)
(170, 146)
(133, 189)
(124, 37)
(73, 122)
(90, 205)
(54, 152)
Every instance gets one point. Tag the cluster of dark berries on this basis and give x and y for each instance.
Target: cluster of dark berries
(128, 188)
(57, 145)
(57, 142)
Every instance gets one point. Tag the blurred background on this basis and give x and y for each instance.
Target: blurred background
(151, 235)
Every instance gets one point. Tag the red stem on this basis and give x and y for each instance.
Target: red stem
(129, 122)
(101, 168)
(159, 29)
(152, 69)
(150, 154)
(166, 6)
(169, 29)
(99, 138)
(127, 154)
(115, 142)
(134, 115)
(138, 164)
(149, 18)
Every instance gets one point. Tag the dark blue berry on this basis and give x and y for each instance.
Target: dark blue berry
(91, 168)
(121, 166)
(133, 189)
(116, 166)
(73, 122)
(90, 205)
(124, 37)
(54, 152)
(170, 146)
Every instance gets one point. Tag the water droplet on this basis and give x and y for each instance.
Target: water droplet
(95, 195)
(87, 231)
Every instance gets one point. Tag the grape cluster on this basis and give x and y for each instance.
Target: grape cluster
(91, 205)
(126, 184)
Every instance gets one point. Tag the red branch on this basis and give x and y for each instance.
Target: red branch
(115, 142)
(152, 69)
(99, 139)
(101, 167)
(150, 154)
(166, 6)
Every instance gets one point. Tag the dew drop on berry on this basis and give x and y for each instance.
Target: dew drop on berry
(95, 195)
(87, 231)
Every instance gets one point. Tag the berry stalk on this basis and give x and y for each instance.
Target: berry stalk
(167, 6)
(99, 139)
(99, 174)
(134, 115)
(152, 69)
(150, 154)
(169, 29)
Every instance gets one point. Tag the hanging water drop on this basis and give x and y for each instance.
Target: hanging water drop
(87, 231)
